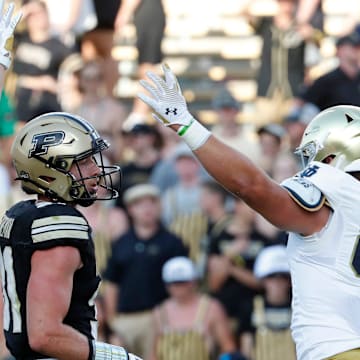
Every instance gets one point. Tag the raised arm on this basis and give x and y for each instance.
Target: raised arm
(230, 168)
(8, 23)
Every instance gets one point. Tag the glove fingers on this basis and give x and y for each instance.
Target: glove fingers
(171, 79)
(152, 90)
(8, 14)
(148, 100)
(14, 22)
(167, 73)
(158, 81)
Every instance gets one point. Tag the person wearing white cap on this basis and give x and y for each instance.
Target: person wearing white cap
(189, 325)
(179, 269)
(271, 316)
(271, 260)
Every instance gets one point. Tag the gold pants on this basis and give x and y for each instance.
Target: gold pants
(347, 355)
(135, 330)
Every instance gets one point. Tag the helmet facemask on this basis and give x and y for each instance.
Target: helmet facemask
(308, 152)
(105, 180)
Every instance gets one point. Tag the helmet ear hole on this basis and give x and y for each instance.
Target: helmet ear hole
(62, 164)
(74, 192)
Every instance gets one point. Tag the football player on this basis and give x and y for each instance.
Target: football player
(319, 207)
(47, 263)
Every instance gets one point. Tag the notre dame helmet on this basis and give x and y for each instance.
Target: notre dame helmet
(44, 151)
(334, 134)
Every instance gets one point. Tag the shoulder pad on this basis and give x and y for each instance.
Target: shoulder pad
(57, 222)
(304, 193)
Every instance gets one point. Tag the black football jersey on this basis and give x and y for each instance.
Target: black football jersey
(29, 226)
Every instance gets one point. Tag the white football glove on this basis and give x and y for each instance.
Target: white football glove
(104, 351)
(7, 27)
(167, 100)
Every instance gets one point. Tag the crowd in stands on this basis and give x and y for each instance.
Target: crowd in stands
(190, 272)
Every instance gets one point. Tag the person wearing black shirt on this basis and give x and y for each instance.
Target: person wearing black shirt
(133, 276)
(37, 61)
(340, 86)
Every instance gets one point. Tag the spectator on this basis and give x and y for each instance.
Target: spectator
(189, 325)
(340, 86)
(149, 20)
(214, 199)
(97, 43)
(271, 138)
(133, 275)
(70, 19)
(182, 212)
(164, 173)
(101, 110)
(108, 223)
(229, 130)
(296, 121)
(284, 166)
(230, 268)
(104, 332)
(282, 69)
(69, 94)
(141, 154)
(272, 310)
(37, 61)
(309, 12)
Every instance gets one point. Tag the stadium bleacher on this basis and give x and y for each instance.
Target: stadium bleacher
(217, 47)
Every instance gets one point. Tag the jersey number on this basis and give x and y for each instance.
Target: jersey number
(11, 300)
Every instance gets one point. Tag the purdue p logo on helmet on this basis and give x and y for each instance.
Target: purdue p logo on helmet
(44, 151)
(42, 142)
(334, 134)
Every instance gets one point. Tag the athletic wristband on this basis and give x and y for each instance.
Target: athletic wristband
(194, 134)
(104, 351)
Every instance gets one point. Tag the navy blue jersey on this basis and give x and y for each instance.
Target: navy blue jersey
(30, 226)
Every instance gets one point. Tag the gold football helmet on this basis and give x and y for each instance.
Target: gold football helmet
(334, 135)
(44, 151)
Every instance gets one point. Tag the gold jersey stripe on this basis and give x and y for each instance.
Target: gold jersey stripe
(60, 234)
(57, 219)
